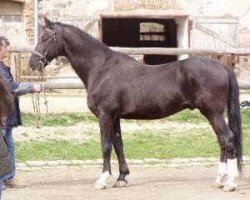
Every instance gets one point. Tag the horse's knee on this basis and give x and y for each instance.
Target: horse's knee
(107, 146)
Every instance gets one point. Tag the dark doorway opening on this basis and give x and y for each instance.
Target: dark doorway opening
(127, 32)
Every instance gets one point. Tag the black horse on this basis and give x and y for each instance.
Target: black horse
(120, 87)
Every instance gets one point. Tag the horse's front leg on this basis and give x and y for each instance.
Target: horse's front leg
(106, 129)
(118, 146)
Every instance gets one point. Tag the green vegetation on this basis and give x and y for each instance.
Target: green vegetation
(70, 119)
(139, 144)
(58, 119)
(57, 150)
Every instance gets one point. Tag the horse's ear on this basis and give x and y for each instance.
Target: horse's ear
(49, 24)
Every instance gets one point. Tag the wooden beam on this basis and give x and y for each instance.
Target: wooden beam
(146, 14)
(180, 51)
(244, 85)
(64, 85)
(22, 1)
(28, 48)
(79, 85)
(161, 51)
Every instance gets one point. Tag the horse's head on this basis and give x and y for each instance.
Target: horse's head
(48, 47)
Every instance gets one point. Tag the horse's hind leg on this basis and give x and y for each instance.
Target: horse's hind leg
(219, 126)
(228, 164)
(118, 146)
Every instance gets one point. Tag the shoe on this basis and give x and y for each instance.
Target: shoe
(13, 183)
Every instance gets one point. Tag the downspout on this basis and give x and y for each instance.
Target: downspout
(36, 14)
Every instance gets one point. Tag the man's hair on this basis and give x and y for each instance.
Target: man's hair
(2, 38)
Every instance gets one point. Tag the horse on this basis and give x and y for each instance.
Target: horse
(6, 101)
(119, 87)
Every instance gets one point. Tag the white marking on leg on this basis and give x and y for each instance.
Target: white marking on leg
(102, 182)
(232, 172)
(222, 172)
(232, 168)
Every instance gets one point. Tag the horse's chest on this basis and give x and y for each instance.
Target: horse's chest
(92, 104)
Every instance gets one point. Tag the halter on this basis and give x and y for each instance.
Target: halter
(43, 60)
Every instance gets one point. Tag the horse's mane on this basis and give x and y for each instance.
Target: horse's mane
(82, 34)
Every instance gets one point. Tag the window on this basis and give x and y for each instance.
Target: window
(11, 11)
(10, 18)
(150, 31)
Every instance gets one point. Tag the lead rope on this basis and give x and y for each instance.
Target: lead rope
(36, 102)
(36, 107)
(36, 96)
(44, 93)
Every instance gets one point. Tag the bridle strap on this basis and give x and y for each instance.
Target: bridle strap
(43, 60)
(37, 53)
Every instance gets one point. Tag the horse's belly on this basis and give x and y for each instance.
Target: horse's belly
(153, 104)
(146, 113)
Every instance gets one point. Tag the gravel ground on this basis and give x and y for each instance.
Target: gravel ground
(146, 183)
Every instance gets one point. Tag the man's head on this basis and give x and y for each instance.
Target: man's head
(4, 47)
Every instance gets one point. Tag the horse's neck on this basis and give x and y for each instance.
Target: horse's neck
(86, 59)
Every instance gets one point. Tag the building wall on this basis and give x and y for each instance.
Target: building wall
(233, 8)
(16, 21)
(82, 13)
(85, 14)
(8, 8)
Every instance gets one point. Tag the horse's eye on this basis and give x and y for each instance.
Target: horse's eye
(45, 37)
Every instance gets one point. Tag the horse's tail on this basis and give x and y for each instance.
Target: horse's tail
(234, 117)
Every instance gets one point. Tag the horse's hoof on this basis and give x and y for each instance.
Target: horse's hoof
(119, 184)
(103, 180)
(100, 186)
(219, 183)
(229, 187)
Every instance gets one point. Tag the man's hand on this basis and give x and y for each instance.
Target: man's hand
(38, 87)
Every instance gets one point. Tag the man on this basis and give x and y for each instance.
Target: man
(14, 119)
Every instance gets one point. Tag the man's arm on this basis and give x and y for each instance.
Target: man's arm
(19, 88)
(24, 88)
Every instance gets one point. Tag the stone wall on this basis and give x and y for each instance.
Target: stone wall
(85, 15)
(28, 19)
(121, 5)
(11, 23)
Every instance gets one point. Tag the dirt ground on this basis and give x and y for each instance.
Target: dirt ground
(146, 183)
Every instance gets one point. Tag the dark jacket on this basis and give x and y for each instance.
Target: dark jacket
(4, 160)
(14, 119)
